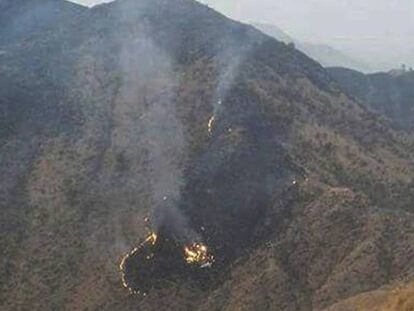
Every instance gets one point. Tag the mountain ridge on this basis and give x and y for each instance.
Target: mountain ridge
(19, 19)
(324, 54)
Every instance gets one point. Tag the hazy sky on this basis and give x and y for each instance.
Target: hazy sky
(379, 29)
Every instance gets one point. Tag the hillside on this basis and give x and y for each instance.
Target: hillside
(397, 298)
(216, 132)
(391, 94)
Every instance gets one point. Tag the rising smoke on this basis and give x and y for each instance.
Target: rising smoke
(149, 86)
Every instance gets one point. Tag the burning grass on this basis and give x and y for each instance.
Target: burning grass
(160, 258)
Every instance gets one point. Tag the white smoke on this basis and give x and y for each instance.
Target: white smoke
(148, 94)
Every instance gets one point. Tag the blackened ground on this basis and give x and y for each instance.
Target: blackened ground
(155, 265)
(152, 264)
(240, 184)
(237, 191)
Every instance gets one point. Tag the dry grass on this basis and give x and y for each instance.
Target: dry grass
(398, 298)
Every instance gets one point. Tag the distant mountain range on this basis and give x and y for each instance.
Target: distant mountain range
(324, 54)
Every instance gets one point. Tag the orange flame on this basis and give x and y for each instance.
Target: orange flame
(210, 124)
(197, 253)
(152, 238)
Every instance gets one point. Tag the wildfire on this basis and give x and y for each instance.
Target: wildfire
(210, 124)
(142, 267)
(152, 238)
(197, 253)
(122, 269)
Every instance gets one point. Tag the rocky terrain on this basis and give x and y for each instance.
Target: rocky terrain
(167, 109)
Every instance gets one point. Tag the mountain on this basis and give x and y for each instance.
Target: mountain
(324, 54)
(20, 19)
(391, 94)
(220, 135)
(330, 57)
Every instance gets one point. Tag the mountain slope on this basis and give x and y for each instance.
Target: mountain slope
(389, 94)
(400, 297)
(302, 194)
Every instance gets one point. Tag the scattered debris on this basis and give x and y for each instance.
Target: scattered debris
(197, 253)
